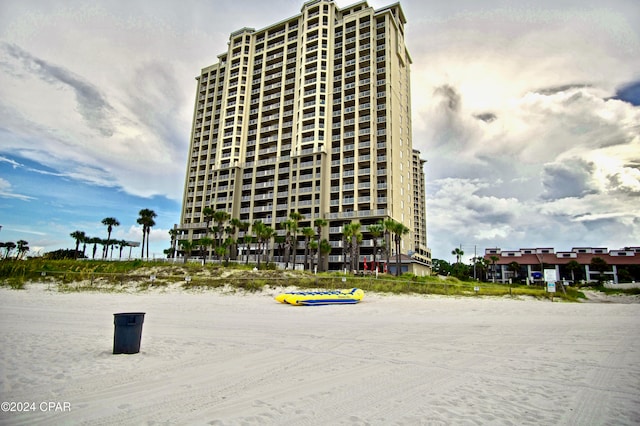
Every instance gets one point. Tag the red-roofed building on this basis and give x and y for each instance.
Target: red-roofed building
(576, 265)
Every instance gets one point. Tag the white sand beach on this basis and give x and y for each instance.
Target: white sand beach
(219, 359)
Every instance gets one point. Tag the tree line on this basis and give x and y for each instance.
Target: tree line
(145, 218)
(21, 247)
(223, 240)
(484, 269)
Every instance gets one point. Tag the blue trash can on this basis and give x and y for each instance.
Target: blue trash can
(128, 332)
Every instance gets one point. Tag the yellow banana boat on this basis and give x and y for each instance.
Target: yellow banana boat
(334, 297)
(283, 296)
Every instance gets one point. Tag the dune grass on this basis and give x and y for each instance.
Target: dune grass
(116, 276)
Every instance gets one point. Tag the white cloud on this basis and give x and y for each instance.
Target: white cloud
(134, 233)
(7, 192)
(13, 163)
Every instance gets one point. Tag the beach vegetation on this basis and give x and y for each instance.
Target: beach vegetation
(137, 275)
(611, 291)
(61, 254)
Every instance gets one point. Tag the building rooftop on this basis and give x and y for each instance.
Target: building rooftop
(582, 255)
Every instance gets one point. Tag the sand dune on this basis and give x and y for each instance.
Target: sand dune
(228, 359)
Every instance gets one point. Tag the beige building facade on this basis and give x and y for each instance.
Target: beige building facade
(311, 114)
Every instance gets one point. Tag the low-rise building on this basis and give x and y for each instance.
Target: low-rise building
(528, 264)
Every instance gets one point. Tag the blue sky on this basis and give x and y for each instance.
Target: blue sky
(57, 205)
(527, 113)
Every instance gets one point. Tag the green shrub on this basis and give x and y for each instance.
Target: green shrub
(252, 285)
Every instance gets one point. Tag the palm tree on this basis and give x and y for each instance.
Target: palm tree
(389, 225)
(458, 253)
(235, 226)
(207, 214)
(263, 234)
(122, 244)
(352, 237)
(187, 246)
(358, 243)
(268, 233)
(141, 221)
(308, 233)
(319, 223)
(95, 241)
(8, 246)
(244, 228)
(79, 236)
(376, 230)
(23, 247)
(173, 233)
(313, 248)
(258, 230)
(597, 264)
(573, 266)
(203, 243)
(110, 222)
(399, 230)
(296, 218)
(325, 249)
(103, 243)
(145, 218)
(288, 225)
(494, 259)
(356, 240)
(150, 224)
(482, 264)
(220, 217)
(515, 268)
(347, 233)
(229, 244)
(221, 249)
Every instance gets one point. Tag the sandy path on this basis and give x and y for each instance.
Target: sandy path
(217, 359)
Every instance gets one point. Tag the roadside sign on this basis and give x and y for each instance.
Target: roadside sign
(551, 287)
(550, 275)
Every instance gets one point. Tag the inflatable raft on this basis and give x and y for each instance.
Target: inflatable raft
(334, 297)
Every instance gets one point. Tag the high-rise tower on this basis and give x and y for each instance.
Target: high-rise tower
(313, 115)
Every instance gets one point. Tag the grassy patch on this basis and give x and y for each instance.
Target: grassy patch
(119, 276)
(616, 291)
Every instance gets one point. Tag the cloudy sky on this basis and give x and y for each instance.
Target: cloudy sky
(527, 112)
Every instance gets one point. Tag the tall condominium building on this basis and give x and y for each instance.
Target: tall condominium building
(311, 115)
